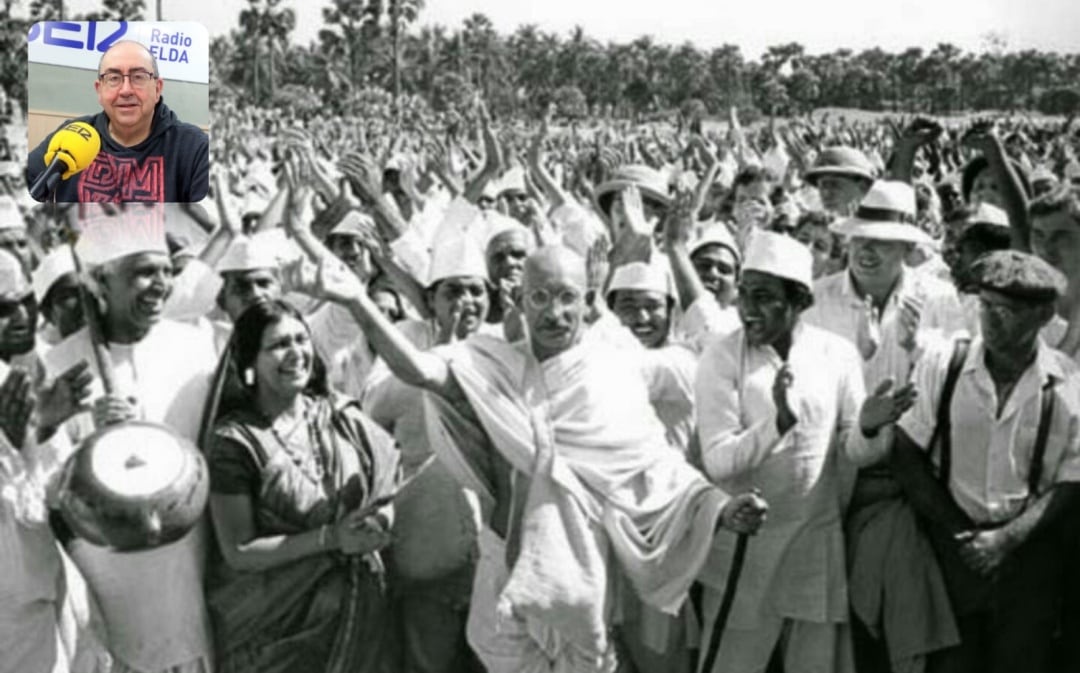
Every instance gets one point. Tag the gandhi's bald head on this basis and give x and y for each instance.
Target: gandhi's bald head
(556, 261)
(554, 299)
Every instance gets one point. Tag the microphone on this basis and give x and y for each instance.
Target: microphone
(71, 149)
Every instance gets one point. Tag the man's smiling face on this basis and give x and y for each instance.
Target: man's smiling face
(129, 105)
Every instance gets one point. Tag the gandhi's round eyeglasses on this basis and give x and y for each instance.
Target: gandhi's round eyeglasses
(114, 80)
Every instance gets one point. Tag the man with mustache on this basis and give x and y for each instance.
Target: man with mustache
(559, 441)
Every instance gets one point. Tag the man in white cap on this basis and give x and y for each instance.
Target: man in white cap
(161, 371)
(643, 298)
(778, 408)
(56, 288)
(436, 520)
(843, 176)
(571, 467)
(716, 259)
(13, 236)
(508, 244)
(250, 274)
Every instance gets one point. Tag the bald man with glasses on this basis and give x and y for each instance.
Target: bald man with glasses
(147, 153)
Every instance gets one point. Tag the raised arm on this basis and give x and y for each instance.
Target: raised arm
(983, 138)
(338, 284)
(676, 237)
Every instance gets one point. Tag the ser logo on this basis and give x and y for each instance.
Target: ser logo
(81, 129)
(71, 35)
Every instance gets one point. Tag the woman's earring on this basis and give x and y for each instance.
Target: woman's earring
(249, 377)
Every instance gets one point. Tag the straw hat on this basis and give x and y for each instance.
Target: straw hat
(886, 213)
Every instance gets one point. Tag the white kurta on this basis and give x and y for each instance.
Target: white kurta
(795, 564)
(152, 624)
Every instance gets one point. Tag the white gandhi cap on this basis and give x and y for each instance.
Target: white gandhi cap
(779, 255)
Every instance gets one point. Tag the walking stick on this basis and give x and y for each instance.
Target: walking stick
(725, 603)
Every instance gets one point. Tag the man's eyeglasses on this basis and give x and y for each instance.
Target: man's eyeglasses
(139, 78)
(540, 298)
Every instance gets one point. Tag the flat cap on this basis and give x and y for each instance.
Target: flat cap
(1020, 275)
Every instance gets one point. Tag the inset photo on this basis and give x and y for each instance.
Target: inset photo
(118, 111)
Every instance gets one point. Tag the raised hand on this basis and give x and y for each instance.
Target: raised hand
(885, 406)
(630, 212)
(785, 417)
(66, 396)
(679, 222)
(336, 282)
(908, 327)
(16, 406)
(364, 176)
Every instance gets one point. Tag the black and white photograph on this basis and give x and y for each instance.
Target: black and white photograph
(468, 336)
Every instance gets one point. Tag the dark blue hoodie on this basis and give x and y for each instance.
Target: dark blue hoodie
(172, 164)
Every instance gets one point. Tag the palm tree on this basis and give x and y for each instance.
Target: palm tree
(402, 13)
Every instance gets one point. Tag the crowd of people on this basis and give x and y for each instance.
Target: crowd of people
(555, 395)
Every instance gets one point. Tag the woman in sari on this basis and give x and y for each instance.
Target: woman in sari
(300, 487)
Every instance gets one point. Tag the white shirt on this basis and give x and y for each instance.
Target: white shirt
(837, 308)
(991, 456)
(795, 565)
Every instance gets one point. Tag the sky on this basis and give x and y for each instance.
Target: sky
(821, 25)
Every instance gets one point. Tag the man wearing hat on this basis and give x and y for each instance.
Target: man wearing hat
(508, 244)
(843, 176)
(888, 311)
(778, 409)
(435, 524)
(997, 480)
(878, 303)
(161, 371)
(716, 258)
(643, 299)
(56, 288)
(655, 197)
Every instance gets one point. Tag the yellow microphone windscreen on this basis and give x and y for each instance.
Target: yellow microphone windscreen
(77, 144)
